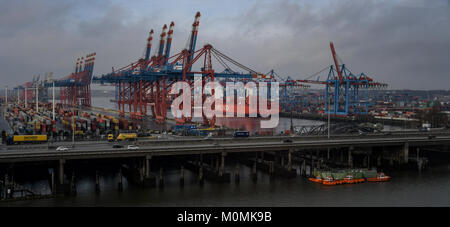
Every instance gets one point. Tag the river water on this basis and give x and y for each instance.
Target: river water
(407, 188)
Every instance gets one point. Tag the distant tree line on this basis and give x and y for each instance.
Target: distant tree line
(433, 116)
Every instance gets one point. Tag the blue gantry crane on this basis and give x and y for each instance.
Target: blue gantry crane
(346, 93)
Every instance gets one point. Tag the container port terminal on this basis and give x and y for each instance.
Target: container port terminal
(359, 130)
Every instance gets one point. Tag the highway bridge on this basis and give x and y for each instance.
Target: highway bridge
(391, 146)
(168, 147)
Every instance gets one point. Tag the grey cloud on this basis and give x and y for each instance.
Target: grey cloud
(403, 43)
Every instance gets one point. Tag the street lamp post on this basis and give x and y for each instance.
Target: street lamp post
(6, 101)
(25, 89)
(292, 124)
(53, 102)
(6, 96)
(329, 112)
(37, 98)
(73, 128)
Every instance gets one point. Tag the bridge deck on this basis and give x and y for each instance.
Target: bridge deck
(190, 147)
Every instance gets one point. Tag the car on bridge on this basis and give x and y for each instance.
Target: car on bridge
(132, 147)
(287, 141)
(424, 129)
(62, 149)
(208, 137)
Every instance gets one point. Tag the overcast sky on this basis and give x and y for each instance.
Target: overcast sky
(405, 43)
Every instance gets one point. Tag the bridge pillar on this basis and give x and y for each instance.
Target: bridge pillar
(119, 184)
(254, 173)
(419, 161)
(61, 171)
(391, 160)
(378, 160)
(53, 187)
(417, 154)
(222, 165)
(73, 186)
(290, 160)
(282, 160)
(142, 174)
(272, 163)
(97, 182)
(273, 167)
(303, 172)
(406, 152)
(147, 165)
(236, 174)
(311, 165)
(318, 158)
(350, 157)
(200, 176)
(161, 179)
(277, 158)
(2, 189)
(217, 164)
(262, 156)
(7, 188)
(182, 176)
(387, 155)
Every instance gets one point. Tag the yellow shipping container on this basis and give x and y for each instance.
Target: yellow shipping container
(30, 138)
(127, 136)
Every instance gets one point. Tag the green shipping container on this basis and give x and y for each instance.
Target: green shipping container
(369, 173)
(317, 173)
(324, 175)
(339, 175)
(358, 175)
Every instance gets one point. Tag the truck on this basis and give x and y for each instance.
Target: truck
(186, 130)
(123, 137)
(425, 127)
(241, 134)
(110, 137)
(26, 139)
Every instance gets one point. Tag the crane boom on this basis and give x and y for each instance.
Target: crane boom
(193, 40)
(161, 41)
(169, 42)
(338, 69)
(149, 45)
